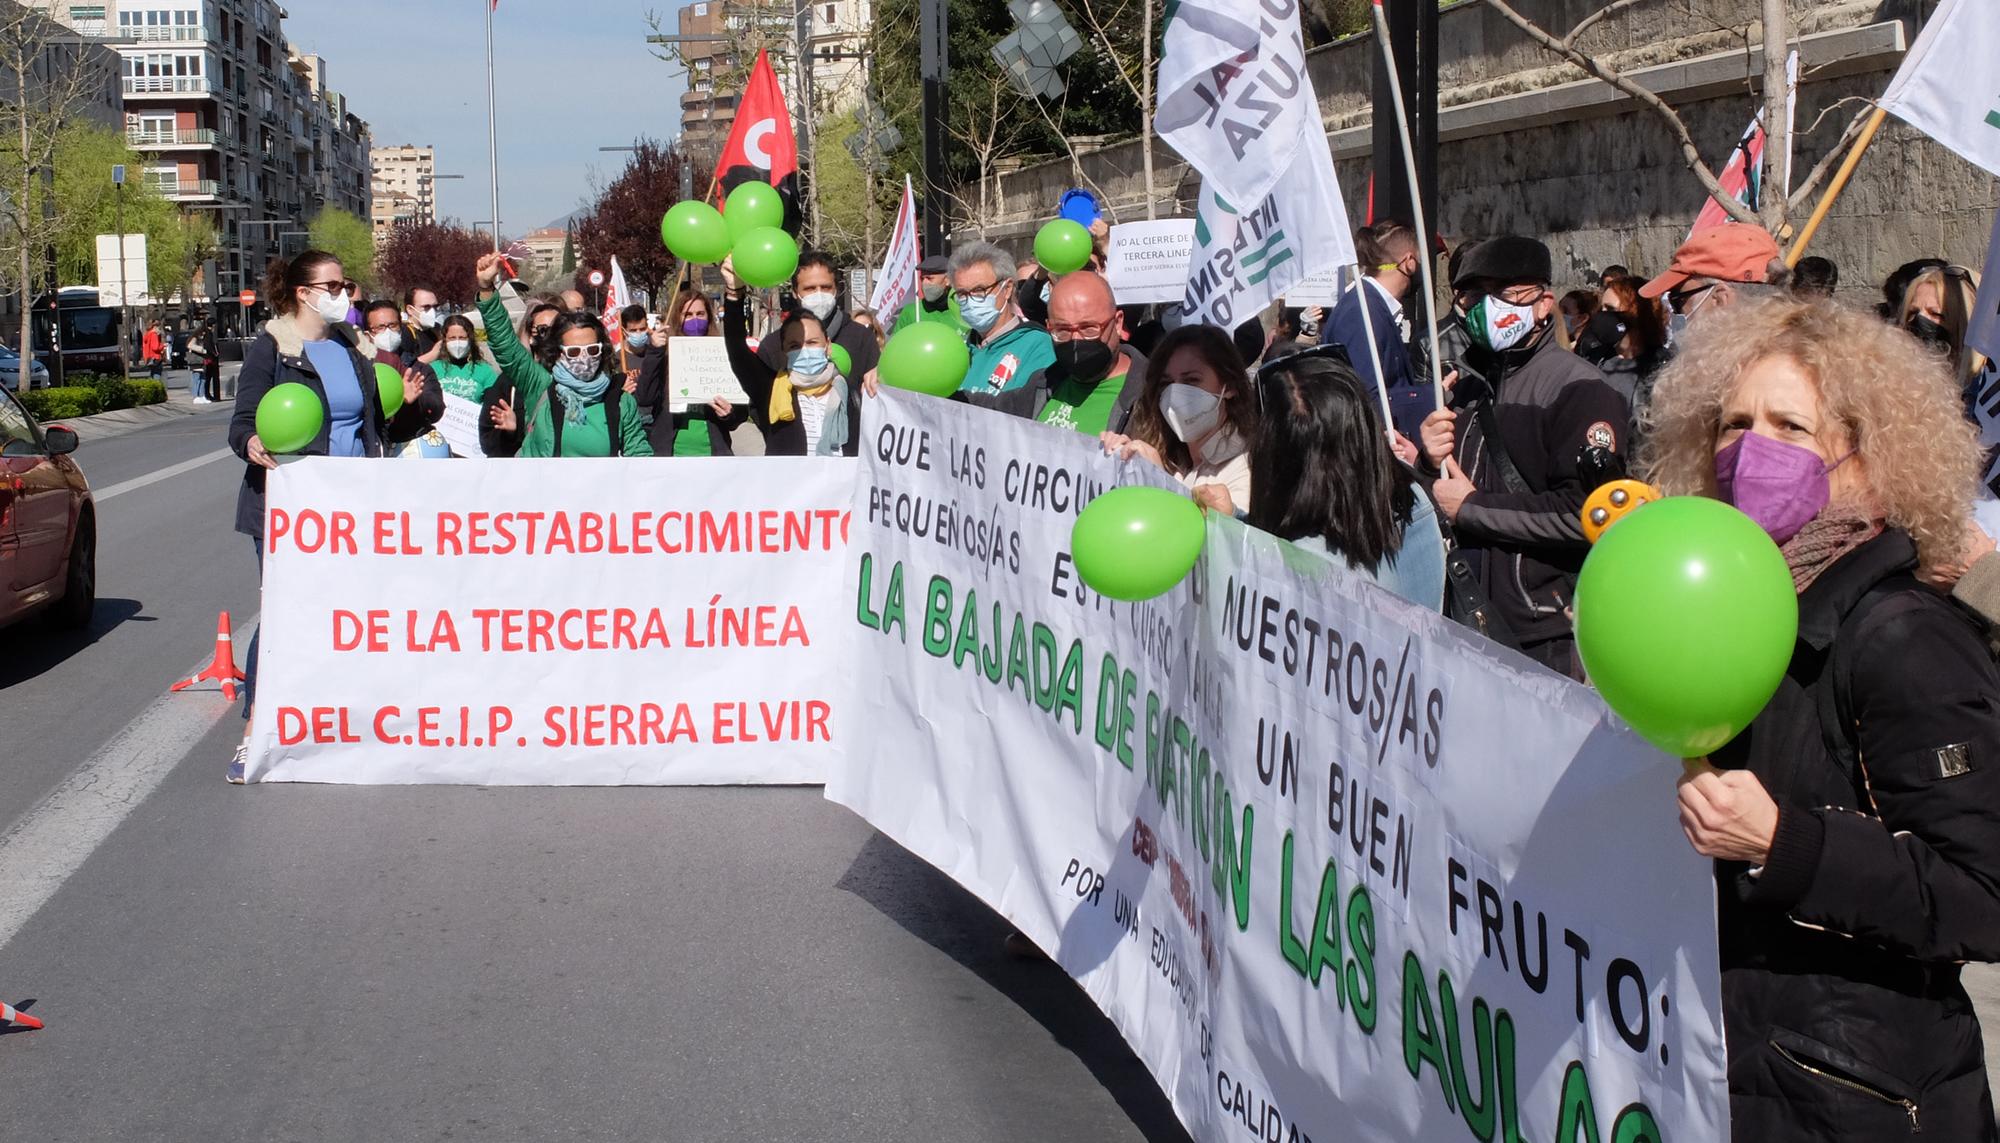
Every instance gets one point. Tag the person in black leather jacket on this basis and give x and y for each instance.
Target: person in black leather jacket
(1856, 823)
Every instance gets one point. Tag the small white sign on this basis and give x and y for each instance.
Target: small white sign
(1319, 288)
(1148, 261)
(130, 289)
(460, 426)
(698, 371)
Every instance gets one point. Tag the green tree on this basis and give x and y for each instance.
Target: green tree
(89, 205)
(842, 187)
(569, 250)
(347, 238)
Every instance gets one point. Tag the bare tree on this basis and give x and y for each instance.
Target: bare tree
(45, 83)
(1135, 70)
(1776, 30)
(988, 136)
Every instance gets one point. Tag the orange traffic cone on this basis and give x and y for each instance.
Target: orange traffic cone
(223, 668)
(12, 1015)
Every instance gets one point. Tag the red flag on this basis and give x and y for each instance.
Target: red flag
(761, 146)
(1742, 178)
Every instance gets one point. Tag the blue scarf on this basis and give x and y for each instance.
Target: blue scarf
(576, 395)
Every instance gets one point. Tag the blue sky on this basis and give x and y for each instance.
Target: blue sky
(575, 75)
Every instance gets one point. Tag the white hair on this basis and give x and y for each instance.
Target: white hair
(973, 253)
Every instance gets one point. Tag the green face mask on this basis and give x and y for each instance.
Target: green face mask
(1499, 324)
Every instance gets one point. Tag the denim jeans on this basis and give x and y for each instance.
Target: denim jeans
(250, 657)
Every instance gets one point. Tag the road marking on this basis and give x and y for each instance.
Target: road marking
(40, 851)
(102, 494)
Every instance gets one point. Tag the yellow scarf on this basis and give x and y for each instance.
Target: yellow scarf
(782, 408)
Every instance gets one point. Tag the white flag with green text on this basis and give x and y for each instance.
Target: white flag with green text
(1948, 87)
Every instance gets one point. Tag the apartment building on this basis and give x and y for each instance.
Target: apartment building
(545, 249)
(403, 178)
(232, 120)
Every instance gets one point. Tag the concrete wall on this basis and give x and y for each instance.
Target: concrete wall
(1533, 146)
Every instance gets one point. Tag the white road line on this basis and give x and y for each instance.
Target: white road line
(167, 473)
(40, 851)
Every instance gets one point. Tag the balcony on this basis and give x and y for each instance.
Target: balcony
(176, 34)
(170, 139)
(166, 85)
(184, 190)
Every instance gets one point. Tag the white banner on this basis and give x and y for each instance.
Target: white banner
(1948, 88)
(899, 263)
(460, 427)
(1336, 868)
(1244, 259)
(554, 622)
(698, 371)
(616, 297)
(121, 271)
(1148, 261)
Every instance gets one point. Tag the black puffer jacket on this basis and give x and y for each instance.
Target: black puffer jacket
(1844, 1014)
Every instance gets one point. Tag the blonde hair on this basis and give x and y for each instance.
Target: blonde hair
(1898, 403)
(1958, 293)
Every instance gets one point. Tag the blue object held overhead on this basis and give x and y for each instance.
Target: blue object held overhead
(1079, 206)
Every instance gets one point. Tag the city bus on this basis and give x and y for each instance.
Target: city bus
(88, 332)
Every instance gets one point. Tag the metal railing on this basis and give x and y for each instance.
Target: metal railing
(179, 33)
(164, 84)
(186, 188)
(172, 137)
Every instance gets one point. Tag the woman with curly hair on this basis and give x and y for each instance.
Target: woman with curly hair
(1855, 825)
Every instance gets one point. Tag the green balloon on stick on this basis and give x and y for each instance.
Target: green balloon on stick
(1685, 620)
(925, 357)
(1136, 542)
(842, 360)
(765, 257)
(1062, 246)
(389, 383)
(752, 206)
(289, 417)
(695, 232)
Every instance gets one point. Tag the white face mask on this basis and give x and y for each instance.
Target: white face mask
(458, 349)
(427, 318)
(388, 340)
(1191, 411)
(1499, 324)
(332, 307)
(819, 305)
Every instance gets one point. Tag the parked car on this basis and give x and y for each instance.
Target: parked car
(10, 371)
(48, 523)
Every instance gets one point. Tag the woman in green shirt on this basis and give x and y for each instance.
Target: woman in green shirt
(460, 372)
(569, 403)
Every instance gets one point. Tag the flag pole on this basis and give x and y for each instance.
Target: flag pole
(1834, 188)
(492, 135)
(1374, 354)
(1416, 210)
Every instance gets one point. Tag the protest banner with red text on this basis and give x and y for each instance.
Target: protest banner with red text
(1335, 867)
(554, 622)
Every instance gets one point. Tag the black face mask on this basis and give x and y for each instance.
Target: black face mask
(1933, 335)
(1085, 361)
(1601, 335)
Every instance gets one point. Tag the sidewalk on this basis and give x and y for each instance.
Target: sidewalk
(179, 403)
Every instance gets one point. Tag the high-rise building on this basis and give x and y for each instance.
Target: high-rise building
(404, 180)
(232, 120)
(831, 33)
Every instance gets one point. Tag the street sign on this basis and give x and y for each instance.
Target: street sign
(597, 277)
(126, 285)
(247, 298)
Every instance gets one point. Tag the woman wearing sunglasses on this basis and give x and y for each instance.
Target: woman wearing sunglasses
(570, 403)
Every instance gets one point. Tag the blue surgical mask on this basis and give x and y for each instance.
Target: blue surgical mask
(808, 363)
(981, 314)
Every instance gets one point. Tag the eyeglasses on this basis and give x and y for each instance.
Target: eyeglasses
(582, 352)
(1520, 294)
(985, 291)
(1089, 332)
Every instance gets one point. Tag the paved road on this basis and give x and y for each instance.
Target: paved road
(319, 962)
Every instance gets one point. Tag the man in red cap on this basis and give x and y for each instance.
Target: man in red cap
(1711, 269)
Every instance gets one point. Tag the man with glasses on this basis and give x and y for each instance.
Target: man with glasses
(1388, 253)
(1510, 451)
(423, 398)
(933, 301)
(1006, 348)
(1712, 270)
(1095, 379)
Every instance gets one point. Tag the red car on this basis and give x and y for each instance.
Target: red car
(48, 524)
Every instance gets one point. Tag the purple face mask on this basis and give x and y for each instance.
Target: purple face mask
(694, 327)
(1781, 486)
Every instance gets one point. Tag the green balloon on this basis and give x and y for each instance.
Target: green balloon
(765, 257)
(1136, 542)
(289, 417)
(695, 232)
(842, 360)
(752, 206)
(1062, 246)
(1685, 620)
(389, 383)
(925, 357)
